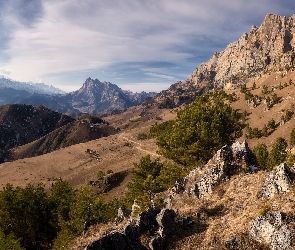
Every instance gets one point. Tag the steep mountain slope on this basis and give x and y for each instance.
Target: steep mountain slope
(21, 124)
(264, 49)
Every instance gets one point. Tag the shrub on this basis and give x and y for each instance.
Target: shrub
(265, 209)
(278, 153)
(149, 178)
(199, 130)
(261, 154)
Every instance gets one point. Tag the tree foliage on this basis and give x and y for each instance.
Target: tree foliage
(199, 130)
(278, 153)
(151, 177)
(27, 213)
(261, 154)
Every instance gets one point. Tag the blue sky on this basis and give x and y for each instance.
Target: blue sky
(140, 45)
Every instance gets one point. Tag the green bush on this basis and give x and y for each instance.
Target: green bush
(9, 242)
(261, 153)
(278, 153)
(28, 213)
(149, 178)
(199, 130)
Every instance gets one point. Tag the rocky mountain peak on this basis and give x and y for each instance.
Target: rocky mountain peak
(263, 49)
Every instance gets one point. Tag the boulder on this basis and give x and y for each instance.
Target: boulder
(146, 220)
(113, 241)
(132, 233)
(272, 230)
(156, 243)
(278, 181)
(167, 222)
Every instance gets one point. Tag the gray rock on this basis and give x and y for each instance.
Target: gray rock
(132, 232)
(262, 230)
(278, 181)
(113, 241)
(225, 163)
(146, 220)
(272, 230)
(156, 243)
(167, 222)
(123, 213)
(281, 239)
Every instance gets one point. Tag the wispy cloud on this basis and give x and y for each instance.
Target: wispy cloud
(52, 39)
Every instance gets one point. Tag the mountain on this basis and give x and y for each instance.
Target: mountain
(103, 97)
(70, 134)
(264, 49)
(21, 124)
(30, 87)
(231, 202)
(93, 97)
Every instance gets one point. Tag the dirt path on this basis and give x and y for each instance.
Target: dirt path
(138, 145)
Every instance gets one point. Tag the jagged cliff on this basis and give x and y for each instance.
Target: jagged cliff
(264, 49)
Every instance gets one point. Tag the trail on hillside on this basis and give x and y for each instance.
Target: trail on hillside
(138, 145)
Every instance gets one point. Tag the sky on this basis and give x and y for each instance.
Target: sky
(140, 45)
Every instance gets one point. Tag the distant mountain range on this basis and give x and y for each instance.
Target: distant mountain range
(94, 97)
(30, 87)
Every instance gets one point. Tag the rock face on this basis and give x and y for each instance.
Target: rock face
(272, 230)
(226, 162)
(269, 47)
(278, 181)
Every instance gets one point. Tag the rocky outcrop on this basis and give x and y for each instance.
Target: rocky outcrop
(228, 161)
(167, 222)
(278, 181)
(272, 230)
(157, 224)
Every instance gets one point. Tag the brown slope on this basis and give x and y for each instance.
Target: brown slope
(21, 124)
(70, 134)
(76, 165)
(260, 115)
